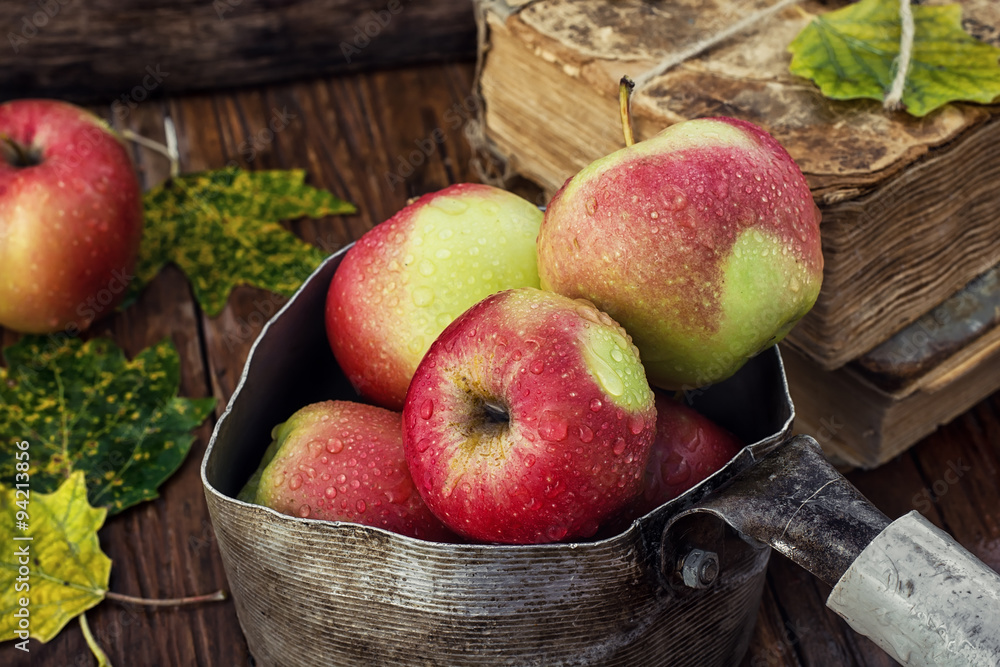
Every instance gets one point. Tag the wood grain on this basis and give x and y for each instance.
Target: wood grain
(126, 50)
(350, 132)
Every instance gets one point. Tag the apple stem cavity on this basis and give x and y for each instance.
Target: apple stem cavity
(217, 596)
(625, 87)
(17, 155)
(496, 413)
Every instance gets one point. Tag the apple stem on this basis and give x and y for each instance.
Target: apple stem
(169, 602)
(625, 87)
(169, 150)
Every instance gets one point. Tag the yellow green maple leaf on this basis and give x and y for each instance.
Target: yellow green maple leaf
(84, 406)
(852, 53)
(222, 229)
(66, 571)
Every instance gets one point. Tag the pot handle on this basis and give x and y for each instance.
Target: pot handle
(922, 597)
(905, 584)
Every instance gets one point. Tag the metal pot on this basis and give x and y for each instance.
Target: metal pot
(681, 586)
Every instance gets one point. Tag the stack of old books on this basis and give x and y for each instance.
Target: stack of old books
(905, 334)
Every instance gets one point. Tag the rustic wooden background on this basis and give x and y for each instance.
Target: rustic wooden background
(92, 50)
(368, 137)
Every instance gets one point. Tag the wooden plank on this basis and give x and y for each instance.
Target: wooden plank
(126, 50)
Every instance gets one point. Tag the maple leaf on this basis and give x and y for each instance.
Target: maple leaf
(68, 572)
(85, 407)
(851, 53)
(222, 229)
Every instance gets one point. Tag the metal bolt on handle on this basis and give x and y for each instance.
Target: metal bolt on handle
(699, 569)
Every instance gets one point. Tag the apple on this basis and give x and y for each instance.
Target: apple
(70, 217)
(529, 420)
(343, 461)
(703, 242)
(406, 279)
(688, 448)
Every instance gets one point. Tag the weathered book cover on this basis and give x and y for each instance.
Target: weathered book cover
(935, 369)
(909, 205)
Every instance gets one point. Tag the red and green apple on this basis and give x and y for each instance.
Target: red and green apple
(406, 279)
(70, 217)
(343, 461)
(529, 420)
(703, 242)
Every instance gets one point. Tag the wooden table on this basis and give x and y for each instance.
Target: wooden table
(369, 138)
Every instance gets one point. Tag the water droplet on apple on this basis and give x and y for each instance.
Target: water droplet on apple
(529, 460)
(490, 208)
(445, 234)
(596, 405)
(636, 423)
(793, 284)
(619, 446)
(537, 367)
(607, 376)
(401, 493)
(556, 533)
(425, 267)
(554, 490)
(675, 470)
(315, 446)
(304, 511)
(553, 426)
(423, 444)
(677, 202)
(361, 506)
(616, 354)
(330, 492)
(427, 409)
(296, 482)
(450, 205)
(422, 296)
(586, 434)
(279, 479)
(534, 504)
(334, 445)
(341, 478)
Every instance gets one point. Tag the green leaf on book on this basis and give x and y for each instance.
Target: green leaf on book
(222, 229)
(85, 407)
(852, 52)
